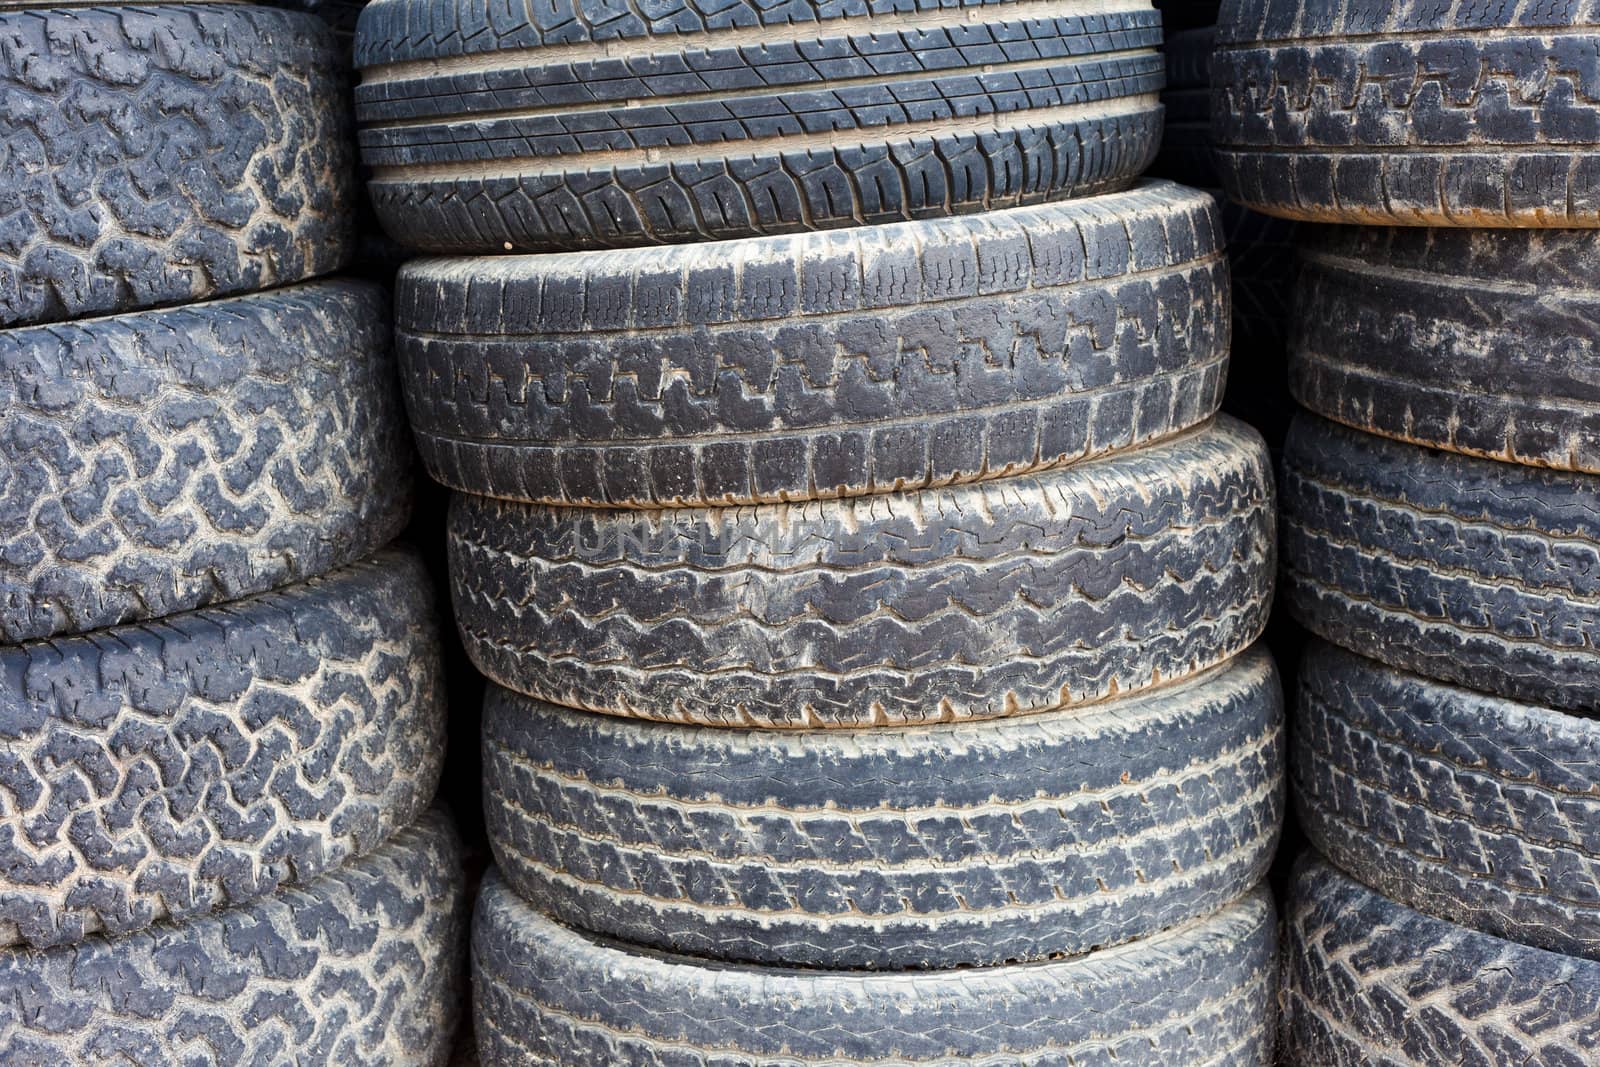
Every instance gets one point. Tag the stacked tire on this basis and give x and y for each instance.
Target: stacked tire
(220, 688)
(1440, 521)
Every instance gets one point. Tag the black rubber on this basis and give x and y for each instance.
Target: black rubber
(163, 460)
(1475, 341)
(1476, 809)
(1410, 113)
(587, 124)
(1185, 154)
(161, 153)
(1263, 268)
(1196, 996)
(1371, 983)
(942, 846)
(361, 968)
(159, 771)
(969, 602)
(821, 365)
(1465, 570)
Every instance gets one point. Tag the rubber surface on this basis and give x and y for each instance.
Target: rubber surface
(941, 846)
(971, 602)
(1370, 983)
(1198, 995)
(1471, 808)
(1185, 154)
(820, 365)
(1465, 570)
(163, 460)
(1475, 341)
(167, 153)
(584, 124)
(362, 967)
(1410, 113)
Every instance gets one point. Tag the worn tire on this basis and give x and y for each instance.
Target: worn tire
(160, 461)
(822, 365)
(942, 846)
(1194, 996)
(1185, 154)
(361, 967)
(159, 771)
(1371, 983)
(1465, 570)
(1468, 807)
(580, 125)
(970, 602)
(1410, 113)
(1429, 318)
(165, 153)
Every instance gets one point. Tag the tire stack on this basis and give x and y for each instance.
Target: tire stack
(867, 586)
(1441, 517)
(221, 707)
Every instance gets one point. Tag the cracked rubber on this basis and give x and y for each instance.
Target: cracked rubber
(1464, 570)
(1410, 113)
(159, 461)
(159, 771)
(1196, 996)
(1475, 341)
(820, 365)
(582, 124)
(361, 968)
(167, 153)
(940, 846)
(1371, 983)
(968, 602)
(1472, 808)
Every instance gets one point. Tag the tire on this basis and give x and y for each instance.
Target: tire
(821, 365)
(587, 126)
(1197, 995)
(161, 461)
(1464, 570)
(1430, 316)
(361, 967)
(1371, 983)
(972, 602)
(1409, 114)
(1185, 154)
(157, 772)
(1467, 807)
(1263, 268)
(166, 153)
(942, 846)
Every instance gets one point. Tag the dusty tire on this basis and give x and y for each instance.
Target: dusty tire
(820, 365)
(361, 967)
(943, 846)
(495, 129)
(159, 771)
(160, 461)
(1371, 983)
(1410, 113)
(166, 153)
(1465, 570)
(968, 602)
(1197, 995)
(1474, 341)
(1471, 808)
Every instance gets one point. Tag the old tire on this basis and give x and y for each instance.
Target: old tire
(1408, 113)
(819, 365)
(511, 128)
(159, 771)
(968, 602)
(361, 967)
(166, 153)
(1475, 341)
(1465, 570)
(1195, 996)
(1185, 154)
(942, 846)
(159, 461)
